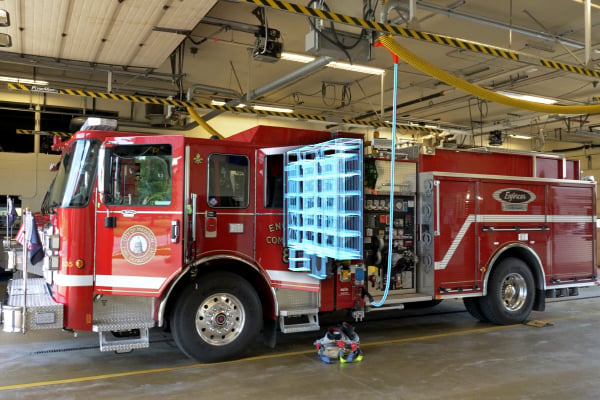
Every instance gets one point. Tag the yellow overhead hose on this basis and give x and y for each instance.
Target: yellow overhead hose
(395, 48)
(203, 123)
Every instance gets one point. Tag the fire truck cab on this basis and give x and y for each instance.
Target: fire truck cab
(217, 240)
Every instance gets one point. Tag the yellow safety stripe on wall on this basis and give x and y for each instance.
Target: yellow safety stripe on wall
(414, 128)
(424, 36)
(45, 133)
(452, 80)
(192, 105)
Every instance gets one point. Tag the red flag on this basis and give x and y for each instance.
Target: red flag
(21, 235)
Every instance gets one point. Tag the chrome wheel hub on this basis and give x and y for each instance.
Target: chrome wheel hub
(514, 292)
(220, 319)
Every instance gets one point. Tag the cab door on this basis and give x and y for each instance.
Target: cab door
(221, 177)
(139, 215)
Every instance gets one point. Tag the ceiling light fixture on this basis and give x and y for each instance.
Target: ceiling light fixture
(301, 58)
(296, 57)
(274, 109)
(23, 81)
(223, 103)
(517, 136)
(4, 18)
(356, 68)
(528, 97)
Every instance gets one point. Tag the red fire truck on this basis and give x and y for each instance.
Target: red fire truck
(218, 240)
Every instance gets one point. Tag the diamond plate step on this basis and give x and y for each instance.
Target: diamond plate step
(108, 342)
(312, 314)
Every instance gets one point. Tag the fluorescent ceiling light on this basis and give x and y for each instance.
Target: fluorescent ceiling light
(23, 81)
(256, 107)
(274, 109)
(222, 103)
(296, 57)
(528, 97)
(516, 136)
(356, 68)
(301, 58)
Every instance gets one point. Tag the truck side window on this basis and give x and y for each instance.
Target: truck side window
(273, 197)
(228, 181)
(141, 175)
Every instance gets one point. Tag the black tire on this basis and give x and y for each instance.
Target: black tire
(510, 293)
(218, 318)
(473, 306)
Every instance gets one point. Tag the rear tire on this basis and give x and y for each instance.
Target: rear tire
(510, 293)
(216, 318)
(473, 306)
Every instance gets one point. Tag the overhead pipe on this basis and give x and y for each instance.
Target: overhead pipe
(277, 83)
(198, 120)
(497, 24)
(588, 31)
(212, 89)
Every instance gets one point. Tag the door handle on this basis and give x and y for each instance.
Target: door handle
(174, 231)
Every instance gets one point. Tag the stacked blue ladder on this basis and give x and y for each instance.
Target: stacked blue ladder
(323, 204)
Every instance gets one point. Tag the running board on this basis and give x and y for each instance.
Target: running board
(396, 302)
(312, 314)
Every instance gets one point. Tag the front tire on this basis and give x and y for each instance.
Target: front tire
(473, 306)
(216, 318)
(510, 294)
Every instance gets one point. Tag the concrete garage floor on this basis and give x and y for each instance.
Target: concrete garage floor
(431, 354)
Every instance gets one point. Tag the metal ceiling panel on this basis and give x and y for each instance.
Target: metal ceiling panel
(43, 26)
(107, 32)
(185, 14)
(156, 49)
(86, 27)
(129, 31)
(132, 31)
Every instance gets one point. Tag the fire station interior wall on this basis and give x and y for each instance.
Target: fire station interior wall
(27, 175)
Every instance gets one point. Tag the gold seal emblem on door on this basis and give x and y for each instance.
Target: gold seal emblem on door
(138, 244)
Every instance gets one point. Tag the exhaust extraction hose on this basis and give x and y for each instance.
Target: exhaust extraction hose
(411, 59)
(203, 123)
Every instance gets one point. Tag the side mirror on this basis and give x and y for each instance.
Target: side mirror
(105, 187)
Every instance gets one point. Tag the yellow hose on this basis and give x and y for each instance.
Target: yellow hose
(388, 42)
(203, 123)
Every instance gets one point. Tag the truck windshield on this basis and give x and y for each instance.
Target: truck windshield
(74, 181)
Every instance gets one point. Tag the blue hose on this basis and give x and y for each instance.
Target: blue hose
(392, 187)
